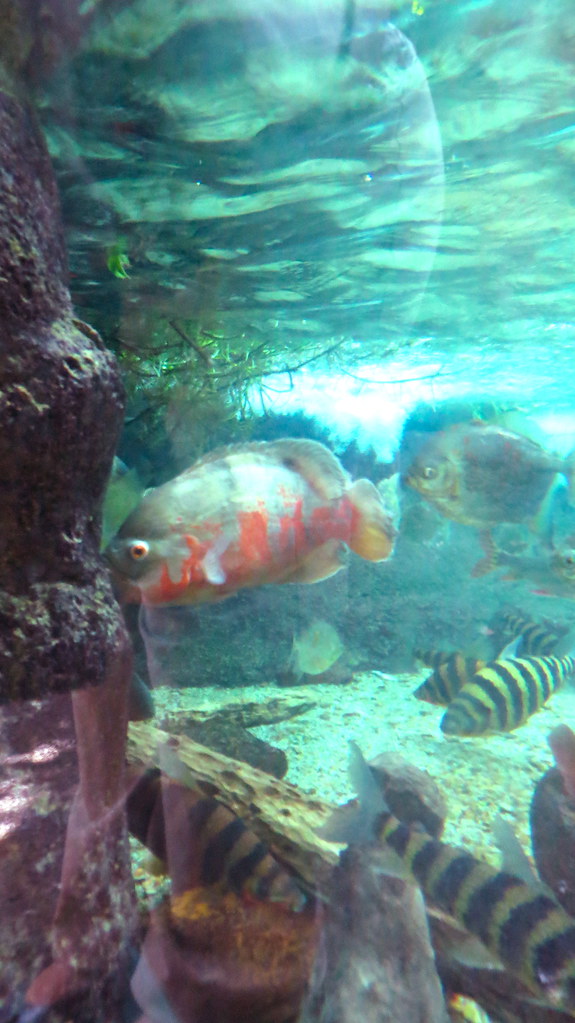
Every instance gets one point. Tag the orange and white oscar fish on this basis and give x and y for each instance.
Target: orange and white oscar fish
(246, 515)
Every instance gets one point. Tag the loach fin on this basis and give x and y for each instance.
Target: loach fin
(510, 650)
(462, 946)
(354, 823)
(171, 765)
(374, 533)
(514, 859)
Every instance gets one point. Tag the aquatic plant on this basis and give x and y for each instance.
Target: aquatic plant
(200, 387)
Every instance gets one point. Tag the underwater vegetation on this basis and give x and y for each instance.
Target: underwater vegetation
(118, 260)
(198, 347)
(187, 371)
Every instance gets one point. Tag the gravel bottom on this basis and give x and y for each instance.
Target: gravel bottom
(478, 777)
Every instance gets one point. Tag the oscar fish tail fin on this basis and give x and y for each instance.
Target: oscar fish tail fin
(373, 532)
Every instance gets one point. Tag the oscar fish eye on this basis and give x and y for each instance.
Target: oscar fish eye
(138, 550)
(428, 472)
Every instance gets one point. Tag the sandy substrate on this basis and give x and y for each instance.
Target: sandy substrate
(478, 777)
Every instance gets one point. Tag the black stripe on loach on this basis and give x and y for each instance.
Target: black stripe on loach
(243, 870)
(217, 850)
(447, 887)
(518, 926)
(484, 901)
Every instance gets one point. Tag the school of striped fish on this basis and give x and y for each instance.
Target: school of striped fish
(522, 925)
(500, 695)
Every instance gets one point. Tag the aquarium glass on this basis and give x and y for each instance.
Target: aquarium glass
(288, 515)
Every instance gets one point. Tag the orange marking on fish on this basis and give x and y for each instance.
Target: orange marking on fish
(254, 542)
(291, 537)
(285, 537)
(191, 567)
(334, 522)
(164, 589)
(168, 588)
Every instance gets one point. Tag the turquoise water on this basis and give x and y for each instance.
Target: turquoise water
(348, 223)
(297, 186)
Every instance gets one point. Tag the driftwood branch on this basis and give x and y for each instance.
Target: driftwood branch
(283, 816)
(244, 715)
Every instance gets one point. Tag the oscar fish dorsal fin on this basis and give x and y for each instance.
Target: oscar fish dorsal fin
(312, 460)
(315, 463)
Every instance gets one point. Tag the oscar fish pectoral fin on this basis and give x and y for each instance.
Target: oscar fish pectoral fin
(211, 563)
(322, 563)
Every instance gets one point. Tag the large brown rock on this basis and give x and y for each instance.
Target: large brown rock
(378, 964)
(61, 403)
(60, 411)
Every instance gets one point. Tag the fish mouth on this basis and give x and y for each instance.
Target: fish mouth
(418, 482)
(451, 728)
(461, 726)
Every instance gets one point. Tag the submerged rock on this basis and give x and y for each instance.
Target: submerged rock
(552, 823)
(377, 964)
(411, 794)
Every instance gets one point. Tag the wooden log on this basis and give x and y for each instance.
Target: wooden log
(282, 815)
(248, 715)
